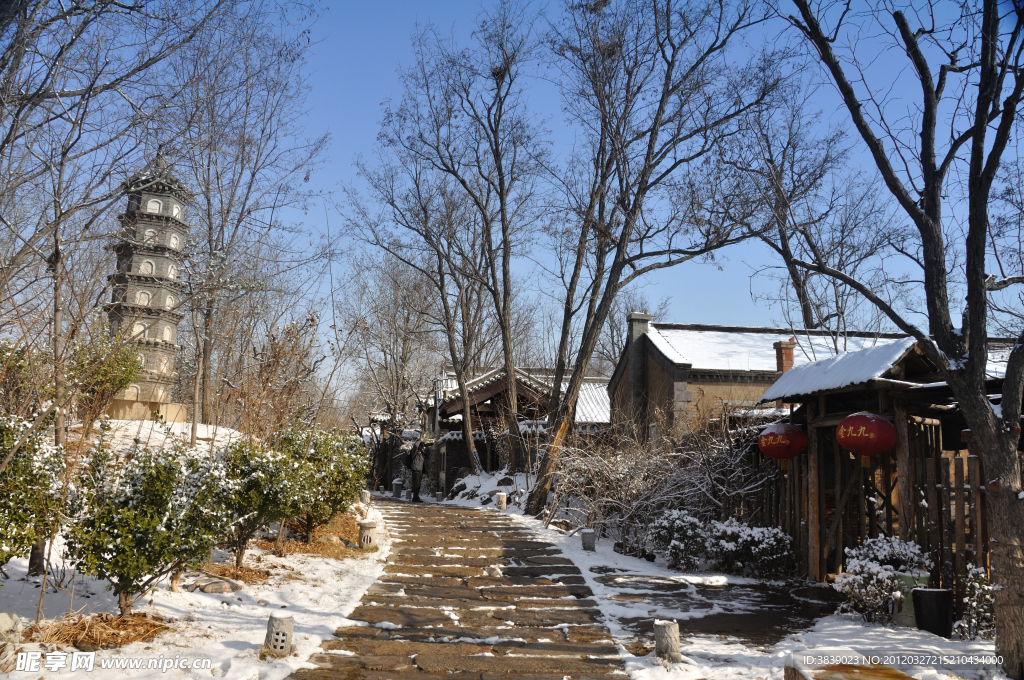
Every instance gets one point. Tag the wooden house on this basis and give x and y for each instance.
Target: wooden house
(926, 488)
(683, 373)
(492, 418)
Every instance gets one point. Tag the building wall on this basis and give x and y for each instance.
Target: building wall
(659, 387)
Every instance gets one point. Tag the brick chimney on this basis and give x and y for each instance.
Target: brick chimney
(784, 355)
(638, 323)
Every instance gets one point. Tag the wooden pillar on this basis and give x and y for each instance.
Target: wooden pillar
(814, 571)
(904, 474)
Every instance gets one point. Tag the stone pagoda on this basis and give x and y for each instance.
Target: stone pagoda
(147, 289)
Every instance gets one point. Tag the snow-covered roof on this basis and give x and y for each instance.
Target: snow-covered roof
(749, 349)
(456, 436)
(593, 405)
(849, 368)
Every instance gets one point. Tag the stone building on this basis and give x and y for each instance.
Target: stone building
(681, 373)
(147, 288)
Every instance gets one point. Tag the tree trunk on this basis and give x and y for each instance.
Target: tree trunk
(124, 603)
(1006, 517)
(207, 354)
(309, 529)
(37, 558)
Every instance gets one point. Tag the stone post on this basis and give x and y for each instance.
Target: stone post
(666, 641)
(279, 635)
(396, 489)
(367, 534)
(440, 496)
(589, 537)
(501, 501)
(364, 497)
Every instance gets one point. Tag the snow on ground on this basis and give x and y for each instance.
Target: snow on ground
(228, 628)
(156, 435)
(721, 657)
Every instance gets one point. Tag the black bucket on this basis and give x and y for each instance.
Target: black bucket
(933, 610)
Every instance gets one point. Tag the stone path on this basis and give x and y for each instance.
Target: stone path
(467, 594)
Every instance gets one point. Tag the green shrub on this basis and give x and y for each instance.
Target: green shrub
(681, 537)
(30, 497)
(737, 548)
(266, 486)
(731, 546)
(332, 468)
(979, 606)
(870, 579)
(143, 514)
(100, 367)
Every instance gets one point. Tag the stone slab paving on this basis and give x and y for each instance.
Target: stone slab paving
(467, 594)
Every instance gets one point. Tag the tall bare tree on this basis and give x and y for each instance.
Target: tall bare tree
(940, 159)
(463, 113)
(653, 86)
(246, 156)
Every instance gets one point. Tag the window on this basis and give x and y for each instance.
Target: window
(174, 241)
(138, 331)
(154, 206)
(132, 393)
(176, 211)
(150, 236)
(146, 268)
(172, 272)
(169, 302)
(142, 297)
(167, 334)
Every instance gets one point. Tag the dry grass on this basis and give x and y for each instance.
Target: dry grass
(343, 525)
(252, 577)
(99, 631)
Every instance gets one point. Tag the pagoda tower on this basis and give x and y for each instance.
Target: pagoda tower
(147, 288)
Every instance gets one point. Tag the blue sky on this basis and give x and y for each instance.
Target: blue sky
(353, 69)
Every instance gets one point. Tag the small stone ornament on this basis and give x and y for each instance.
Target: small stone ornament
(367, 534)
(364, 497)
(589, 537)
(279, 635)
(500, 501)
(440, 496)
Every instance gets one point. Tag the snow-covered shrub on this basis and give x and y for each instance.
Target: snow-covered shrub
(266, 486)
(140, 515)
(29, 487)
(736, 548)
(979, 600)
(332, 471)
(870, 582)
(681, 537)
(731, 546)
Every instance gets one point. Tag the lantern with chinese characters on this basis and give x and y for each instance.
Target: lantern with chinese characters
(866, 434)
(782, 442)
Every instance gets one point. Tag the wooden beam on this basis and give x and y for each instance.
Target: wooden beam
(835, 419)
(813, 503)
(904, 473)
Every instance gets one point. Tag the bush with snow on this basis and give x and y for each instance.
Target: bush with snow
(333, 468)
(736, 548)
(731, 546)
(871, 581)
(979, 601)
(30, 495)
(141, 514)
(681, 538)
(265, 486)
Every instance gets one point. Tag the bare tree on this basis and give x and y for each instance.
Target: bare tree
(244, 150)
(463, 114)
(653, 86)
(940, 159)
(419, 220)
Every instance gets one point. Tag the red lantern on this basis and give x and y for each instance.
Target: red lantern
(782, 442)
(866, 434)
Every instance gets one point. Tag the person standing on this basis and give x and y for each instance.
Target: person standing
(417, 460)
